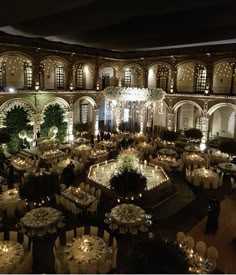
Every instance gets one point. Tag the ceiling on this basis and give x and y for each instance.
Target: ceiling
(122, 25)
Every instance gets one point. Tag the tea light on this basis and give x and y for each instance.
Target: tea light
(106, 162)
(155, 167)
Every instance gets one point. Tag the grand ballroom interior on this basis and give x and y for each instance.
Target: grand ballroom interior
(118, 137)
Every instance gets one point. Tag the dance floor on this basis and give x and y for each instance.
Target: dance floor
(222, 240)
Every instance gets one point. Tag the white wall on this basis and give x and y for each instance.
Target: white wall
(151, 78)
(186, 116)
(185, 77)
(223, 122)
(222, 78)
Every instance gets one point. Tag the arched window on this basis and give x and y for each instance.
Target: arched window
(200, 78)
(80, 78)
(127, 78)
(60, 77)
(162, 77)
(28, 78)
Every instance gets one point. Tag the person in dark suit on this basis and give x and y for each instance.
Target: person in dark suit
(213, 215)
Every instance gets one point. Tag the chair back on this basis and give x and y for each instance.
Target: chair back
(69, 235)
(80, 231)
(94, 230)
(189, 242)
(201, 248)
(180, 236)
(212, 253)
(92, 191)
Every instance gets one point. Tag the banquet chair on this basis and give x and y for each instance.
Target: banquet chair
(92, 191)
(180, 236)
(106, 237)
(76, 159)
(68, 205)
(221, 179)
(63, 202)
(74, 209)
(134, 230)
(1, 236)
(232, 180)
(87, 188)
(58, 200)
(215, 184)
(114, 258)
(4, 187)
(62, 187)
(94, 230)
(90, 268)
(80, 231)
(206, 183)
(105, 267)
(123, 230)
(58, 266)
(69, 235)
(189, 242)
(113, 226)
(93, 208)
(74, 268)
(201, 248)
(11, 212)
(13, 236)
(212, 253)
(81, 185)
(98, 194)
(114, 244)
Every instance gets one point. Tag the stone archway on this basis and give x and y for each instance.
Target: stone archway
(222, 120)
(68, 118)
(17, 102)
(186, 118)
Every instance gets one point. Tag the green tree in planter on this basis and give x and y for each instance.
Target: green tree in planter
(193, 133)
(54, 116)
(16, 120)
(228, 147)
(169, 135)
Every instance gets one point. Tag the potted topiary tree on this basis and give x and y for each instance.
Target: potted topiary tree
(193, 134)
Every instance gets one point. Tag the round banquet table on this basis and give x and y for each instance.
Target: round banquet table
(42, 220)
(86, 252)
(20, 164)
(167, 152)
(166, 162)
(82, 150)
(9, 200)
(194, 159)
(228, 168)
(128, 215)
(192, 148)
(63, 163)
(98, 156)
(11, 255)
(202, 175)
(219, 157)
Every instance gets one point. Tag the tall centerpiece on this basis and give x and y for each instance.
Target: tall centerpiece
(127, 179)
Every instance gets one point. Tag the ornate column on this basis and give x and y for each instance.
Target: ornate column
(96, 121)
(41, 76)
(4, 74)
(37, 123)
(142, 118)
(173, 77)
(118, 116)
(205, 120)
(69, 76)
(96, 77)
(70, 119)
(25, 75)
(145, 77)
(209, 78)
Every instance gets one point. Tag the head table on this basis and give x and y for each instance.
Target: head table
(79, 197)
(42, 220)
(11, 255)
(85, 252)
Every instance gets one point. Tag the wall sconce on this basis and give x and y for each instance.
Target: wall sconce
(36, 86)
(71, 87)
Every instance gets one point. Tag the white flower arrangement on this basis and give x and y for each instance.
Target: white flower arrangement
(127, 161)
(134, 94)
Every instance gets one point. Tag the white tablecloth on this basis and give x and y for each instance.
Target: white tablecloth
(203, 175)
(167, 152)
(128, 215)
(42, 220)
(9, 200)
(194, 159)
(82, 150)
(11, 255)
(167, 163)
(228, 168)
(99, 156)
(219, 157)
(86, 251)
(20, 164)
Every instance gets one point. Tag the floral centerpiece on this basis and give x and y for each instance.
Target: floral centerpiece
(127, 179)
